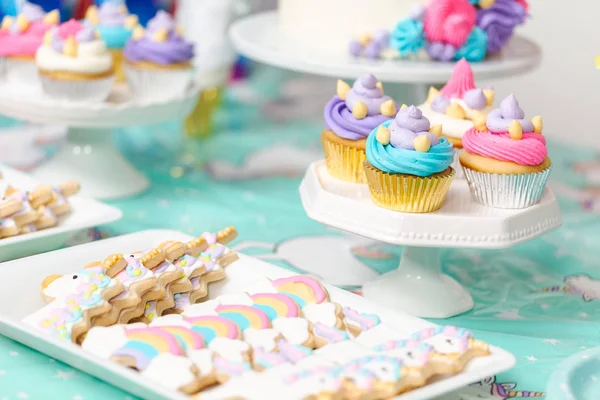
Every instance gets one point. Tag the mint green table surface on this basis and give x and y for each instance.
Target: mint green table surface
(523, 302)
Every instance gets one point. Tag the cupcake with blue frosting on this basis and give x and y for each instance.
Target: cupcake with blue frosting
(115, 25)
(408, 163)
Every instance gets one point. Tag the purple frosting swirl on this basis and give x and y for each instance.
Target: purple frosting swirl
(440, 104)
(499, 22)
(174, 50)
(500, 119)
(440, 51)
(408, 124)
(475, 99)
(32, 12)
(339, 119)
(110, 14)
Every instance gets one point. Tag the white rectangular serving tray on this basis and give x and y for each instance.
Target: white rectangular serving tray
(86, 213)
(22, 296)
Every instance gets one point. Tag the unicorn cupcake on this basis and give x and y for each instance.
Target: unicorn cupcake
(349, 118)
(115, 26)
(505, 158)
(408, 164)
(20, 39)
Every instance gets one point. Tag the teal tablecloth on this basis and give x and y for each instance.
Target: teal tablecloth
(522, 300)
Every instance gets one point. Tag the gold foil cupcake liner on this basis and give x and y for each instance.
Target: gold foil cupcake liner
(507, 191)
(118, 61)
(344, 162)
(408, 193)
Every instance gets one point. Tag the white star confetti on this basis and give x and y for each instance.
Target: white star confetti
(13, 353)
(531, 358)
(2, 372)
(77, 397)
(509, 314)
(545, 306)
(64, 375)
(22, 395)
(553, 342)
(583, 315)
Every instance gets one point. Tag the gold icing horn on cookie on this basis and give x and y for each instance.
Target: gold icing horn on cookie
(224, 236)
(152, 258)
(42, 195)
(49, 279)
(69, 188)
(8, 207)
(173, 250)
(114, 264)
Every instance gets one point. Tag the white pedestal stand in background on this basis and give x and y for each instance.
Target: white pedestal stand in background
(89, 154)
(419, 286)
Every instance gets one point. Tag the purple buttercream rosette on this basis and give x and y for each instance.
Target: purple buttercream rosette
(110, 14)
(499, 22)
(174, 50)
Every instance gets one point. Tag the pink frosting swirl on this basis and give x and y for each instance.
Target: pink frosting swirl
(449, 21)
(23, 43)
(530, 150)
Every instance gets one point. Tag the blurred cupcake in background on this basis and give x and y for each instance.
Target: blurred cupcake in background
(20, 39)
(349, 118)
(115, 25)
(505, 158)
(74, 63)
(408, 164)
(498, 19)
(158, 60)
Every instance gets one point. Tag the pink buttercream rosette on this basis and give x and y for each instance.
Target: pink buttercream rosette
(449, 22)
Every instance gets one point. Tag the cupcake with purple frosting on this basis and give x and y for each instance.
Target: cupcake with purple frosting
(115, 26)
(408, 163)
(158, 60)
(349, 118)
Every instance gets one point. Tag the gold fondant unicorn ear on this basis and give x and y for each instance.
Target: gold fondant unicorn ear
(538, 124)
(52, 18)
(138, 33)
(92, 15)
(161, 36)
(456, 111)
(383, 135)
(433, 93)
(515, 130)
(422, 143)
(489, 95)
(48, 38)
(123, 10)
(179, 30)
(7, 22)
(70, 47)
(380, 85)
(388, 108)
(436, 130)
(22, 23)
(342, 89)
(132, 21)
(480, 121)
(365, 38)
(360, 110)
(486, 3)
(403, 107)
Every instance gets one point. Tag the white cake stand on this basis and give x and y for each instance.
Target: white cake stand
(89, 154)
(257, 37)
(418, 286)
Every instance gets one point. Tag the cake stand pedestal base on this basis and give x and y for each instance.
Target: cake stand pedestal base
(90, 157)
(419, 287)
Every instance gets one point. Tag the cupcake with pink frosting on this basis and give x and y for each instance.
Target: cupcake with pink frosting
(349, 118)
(505, 158)
(158, 60)
(20, 39)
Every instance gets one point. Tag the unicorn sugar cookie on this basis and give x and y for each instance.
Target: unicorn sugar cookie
(414, 354)
(77, 299)
(59, 203)
(454, 347)
(159, 353)
(368, 329)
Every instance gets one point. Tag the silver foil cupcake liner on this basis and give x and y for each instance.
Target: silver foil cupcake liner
(3, 68)
(150, 84)
(22, 71)
(507, 191)
(89, 90)
(456, 166)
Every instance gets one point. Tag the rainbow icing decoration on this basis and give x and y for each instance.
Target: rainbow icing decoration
(365, 371)
(293, 353)
(267, 359)
(276, 305)
(213, 326)
(418, 351)
(303, 289)
(215, 250)
(244, 317)
(365, 321)
(187, 337)
(331, 335)
(460, 336)
(230, 367)
(144, 344)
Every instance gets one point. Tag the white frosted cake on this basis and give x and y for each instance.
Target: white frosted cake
(329, 25)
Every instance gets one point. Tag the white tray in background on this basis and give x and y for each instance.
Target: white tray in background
(86, 213)
(22, 298)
